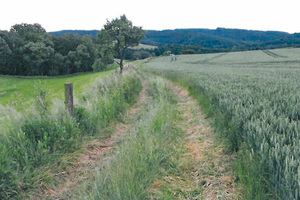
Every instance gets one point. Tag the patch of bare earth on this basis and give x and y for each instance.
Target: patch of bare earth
(82, 165)
(205, 171)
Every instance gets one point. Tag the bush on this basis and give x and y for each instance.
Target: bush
(166, 53)
(99, 66)
(140, 54)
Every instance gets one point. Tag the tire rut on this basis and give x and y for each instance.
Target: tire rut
(83, 167)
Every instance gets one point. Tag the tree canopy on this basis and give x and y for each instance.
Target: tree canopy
(120, 34)
(27, 49)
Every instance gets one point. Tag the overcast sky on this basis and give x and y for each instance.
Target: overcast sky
(53, 15)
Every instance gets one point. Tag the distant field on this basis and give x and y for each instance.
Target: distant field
(258, 95)
(23, 88)
(145, 46)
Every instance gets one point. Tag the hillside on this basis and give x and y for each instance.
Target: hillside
(92, 33)
(212, 40)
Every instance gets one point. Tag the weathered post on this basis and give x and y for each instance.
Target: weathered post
(69, 98)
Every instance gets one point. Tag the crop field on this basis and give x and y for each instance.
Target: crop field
(257, 96)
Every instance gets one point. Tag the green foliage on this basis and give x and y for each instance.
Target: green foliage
(5, 54)
(37, 56)
(166, 53)
(99, 66)
(188, 51)
(119, 34)
(220, 39)
(254, 103)
(28, 50)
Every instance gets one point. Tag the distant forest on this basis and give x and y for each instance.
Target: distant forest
(188, 41)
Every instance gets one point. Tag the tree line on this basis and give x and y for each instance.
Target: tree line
(27, 49)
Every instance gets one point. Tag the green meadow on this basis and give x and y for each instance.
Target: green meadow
(16, 89)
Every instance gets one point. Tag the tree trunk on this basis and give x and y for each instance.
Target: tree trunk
(121, 66)
(122, 57)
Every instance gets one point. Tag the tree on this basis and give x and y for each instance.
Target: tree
(36, 57)
(120, 34)
(29, 32)
(5, 55)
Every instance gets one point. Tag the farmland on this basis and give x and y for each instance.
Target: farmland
(163, 148)
(254, 98)
(14, 89)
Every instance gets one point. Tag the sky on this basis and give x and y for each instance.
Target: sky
(54, 15)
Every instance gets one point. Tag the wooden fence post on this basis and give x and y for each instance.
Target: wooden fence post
(69, 98)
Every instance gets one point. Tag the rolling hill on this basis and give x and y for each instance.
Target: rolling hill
(220, 38)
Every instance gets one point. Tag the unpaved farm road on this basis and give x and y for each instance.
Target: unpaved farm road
(209, 171)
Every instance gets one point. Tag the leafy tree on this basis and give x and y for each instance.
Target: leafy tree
(5, 55)
(29, 32)
(72, 62)
(120, 34)
(58, 65)
(37, 57)
(66, 43)
(140, 54)
(87, 54)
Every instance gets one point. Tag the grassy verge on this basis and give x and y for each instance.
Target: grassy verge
(44, 134)
(149, 151)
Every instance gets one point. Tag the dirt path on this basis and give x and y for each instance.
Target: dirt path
(206, 172)
(84, 165)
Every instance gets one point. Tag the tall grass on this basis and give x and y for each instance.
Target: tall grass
(46, 131)
(105, 100)
(146, 153)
